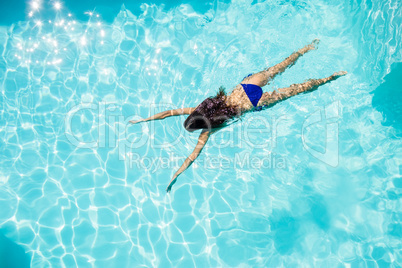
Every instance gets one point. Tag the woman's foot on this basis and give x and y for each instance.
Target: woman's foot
(339, 74)
(315, 43)
(309, 47)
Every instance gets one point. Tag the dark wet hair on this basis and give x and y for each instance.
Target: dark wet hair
(213, 112)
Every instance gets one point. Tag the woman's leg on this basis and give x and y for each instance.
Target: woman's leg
(271, 98)
(263, 77)
(165, 114)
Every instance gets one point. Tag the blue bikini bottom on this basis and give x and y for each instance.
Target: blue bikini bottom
(253, 92)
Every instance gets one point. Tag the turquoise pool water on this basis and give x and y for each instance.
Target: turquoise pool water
(313, 181)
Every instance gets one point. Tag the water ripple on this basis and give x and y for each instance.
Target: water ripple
(81, 187)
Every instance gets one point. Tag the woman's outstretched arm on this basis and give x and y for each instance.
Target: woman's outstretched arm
(165, 114)
(202, 140)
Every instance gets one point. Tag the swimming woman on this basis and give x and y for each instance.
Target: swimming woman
(214, 112)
